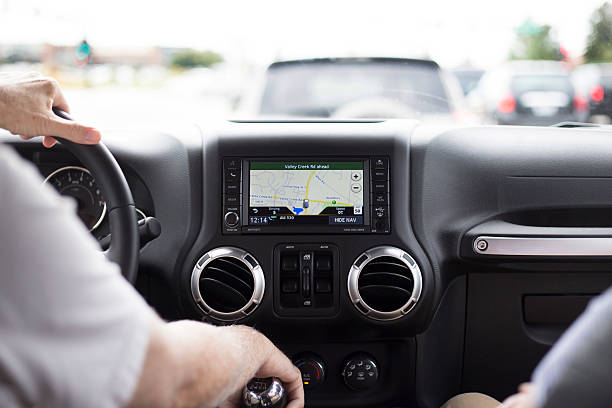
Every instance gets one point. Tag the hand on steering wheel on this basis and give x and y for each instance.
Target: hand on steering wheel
(26, 101)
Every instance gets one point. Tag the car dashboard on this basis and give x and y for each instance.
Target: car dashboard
(396, 264)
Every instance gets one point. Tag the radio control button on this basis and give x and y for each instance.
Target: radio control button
(379, 163)
(380, 174)
(232, 163)
(232, 188)
(231, 219)
(380, 199)
(232, 199)
(232, 175)
(380, 187)
(380, 211)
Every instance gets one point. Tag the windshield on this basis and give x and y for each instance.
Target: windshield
(143, 64)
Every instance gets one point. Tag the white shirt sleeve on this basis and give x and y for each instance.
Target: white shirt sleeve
(73, 332)
(576, 371)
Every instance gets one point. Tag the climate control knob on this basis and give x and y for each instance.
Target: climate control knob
(360, 372)
(231, 219)
(312, 368)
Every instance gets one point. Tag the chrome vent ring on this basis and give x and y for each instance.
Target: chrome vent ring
(227, 284)
(385, 283)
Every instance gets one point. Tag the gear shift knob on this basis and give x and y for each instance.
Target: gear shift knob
(264, 393)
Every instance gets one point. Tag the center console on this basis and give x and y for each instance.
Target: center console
(315, 249)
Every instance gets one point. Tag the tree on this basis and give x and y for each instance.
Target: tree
(599, 42)
(192, 58)
(535, 42)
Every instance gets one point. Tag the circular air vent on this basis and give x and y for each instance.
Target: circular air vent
(227, 283)
(385, 283)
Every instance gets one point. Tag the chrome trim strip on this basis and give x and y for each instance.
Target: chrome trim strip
(258, 281)
(543, 246)
(141, 213)
(353, 282)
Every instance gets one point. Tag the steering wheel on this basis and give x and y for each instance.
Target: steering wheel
(124, 243)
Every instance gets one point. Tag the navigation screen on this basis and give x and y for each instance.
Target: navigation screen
(301, 192)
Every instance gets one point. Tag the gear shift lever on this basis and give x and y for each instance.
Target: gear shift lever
(264, 393)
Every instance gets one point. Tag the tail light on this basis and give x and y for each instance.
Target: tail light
(580, 103)
(597, 93)
(507, 104)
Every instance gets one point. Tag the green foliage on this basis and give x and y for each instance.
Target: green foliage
(535, 42)
(193, 58)
(599, 42)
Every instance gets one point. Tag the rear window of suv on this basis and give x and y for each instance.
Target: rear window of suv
(527, 83)
(321, 88)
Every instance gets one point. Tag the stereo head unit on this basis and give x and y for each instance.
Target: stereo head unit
(306, 195)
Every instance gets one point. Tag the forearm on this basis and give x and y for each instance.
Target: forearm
(191, 364)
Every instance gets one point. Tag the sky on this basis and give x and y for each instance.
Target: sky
(480, 32)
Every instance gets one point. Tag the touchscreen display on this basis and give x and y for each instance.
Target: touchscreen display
(306, 192)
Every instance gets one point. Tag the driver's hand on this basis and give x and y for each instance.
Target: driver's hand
(277, 365)
(524, 399)
(26, 102)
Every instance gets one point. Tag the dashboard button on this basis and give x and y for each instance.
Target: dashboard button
(323, 262)
(289, 263)
(231, 219)
(380, 163)
(289, 285)
(232, 188)
(232, 199)
(232, 163)
(358, 378)
(313, 370)
(232, 175)
(380, 174)
(322, 285)
(380, 199)
(381, 187)
(380, 211)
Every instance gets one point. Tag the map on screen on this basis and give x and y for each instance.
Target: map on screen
(308, 188)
